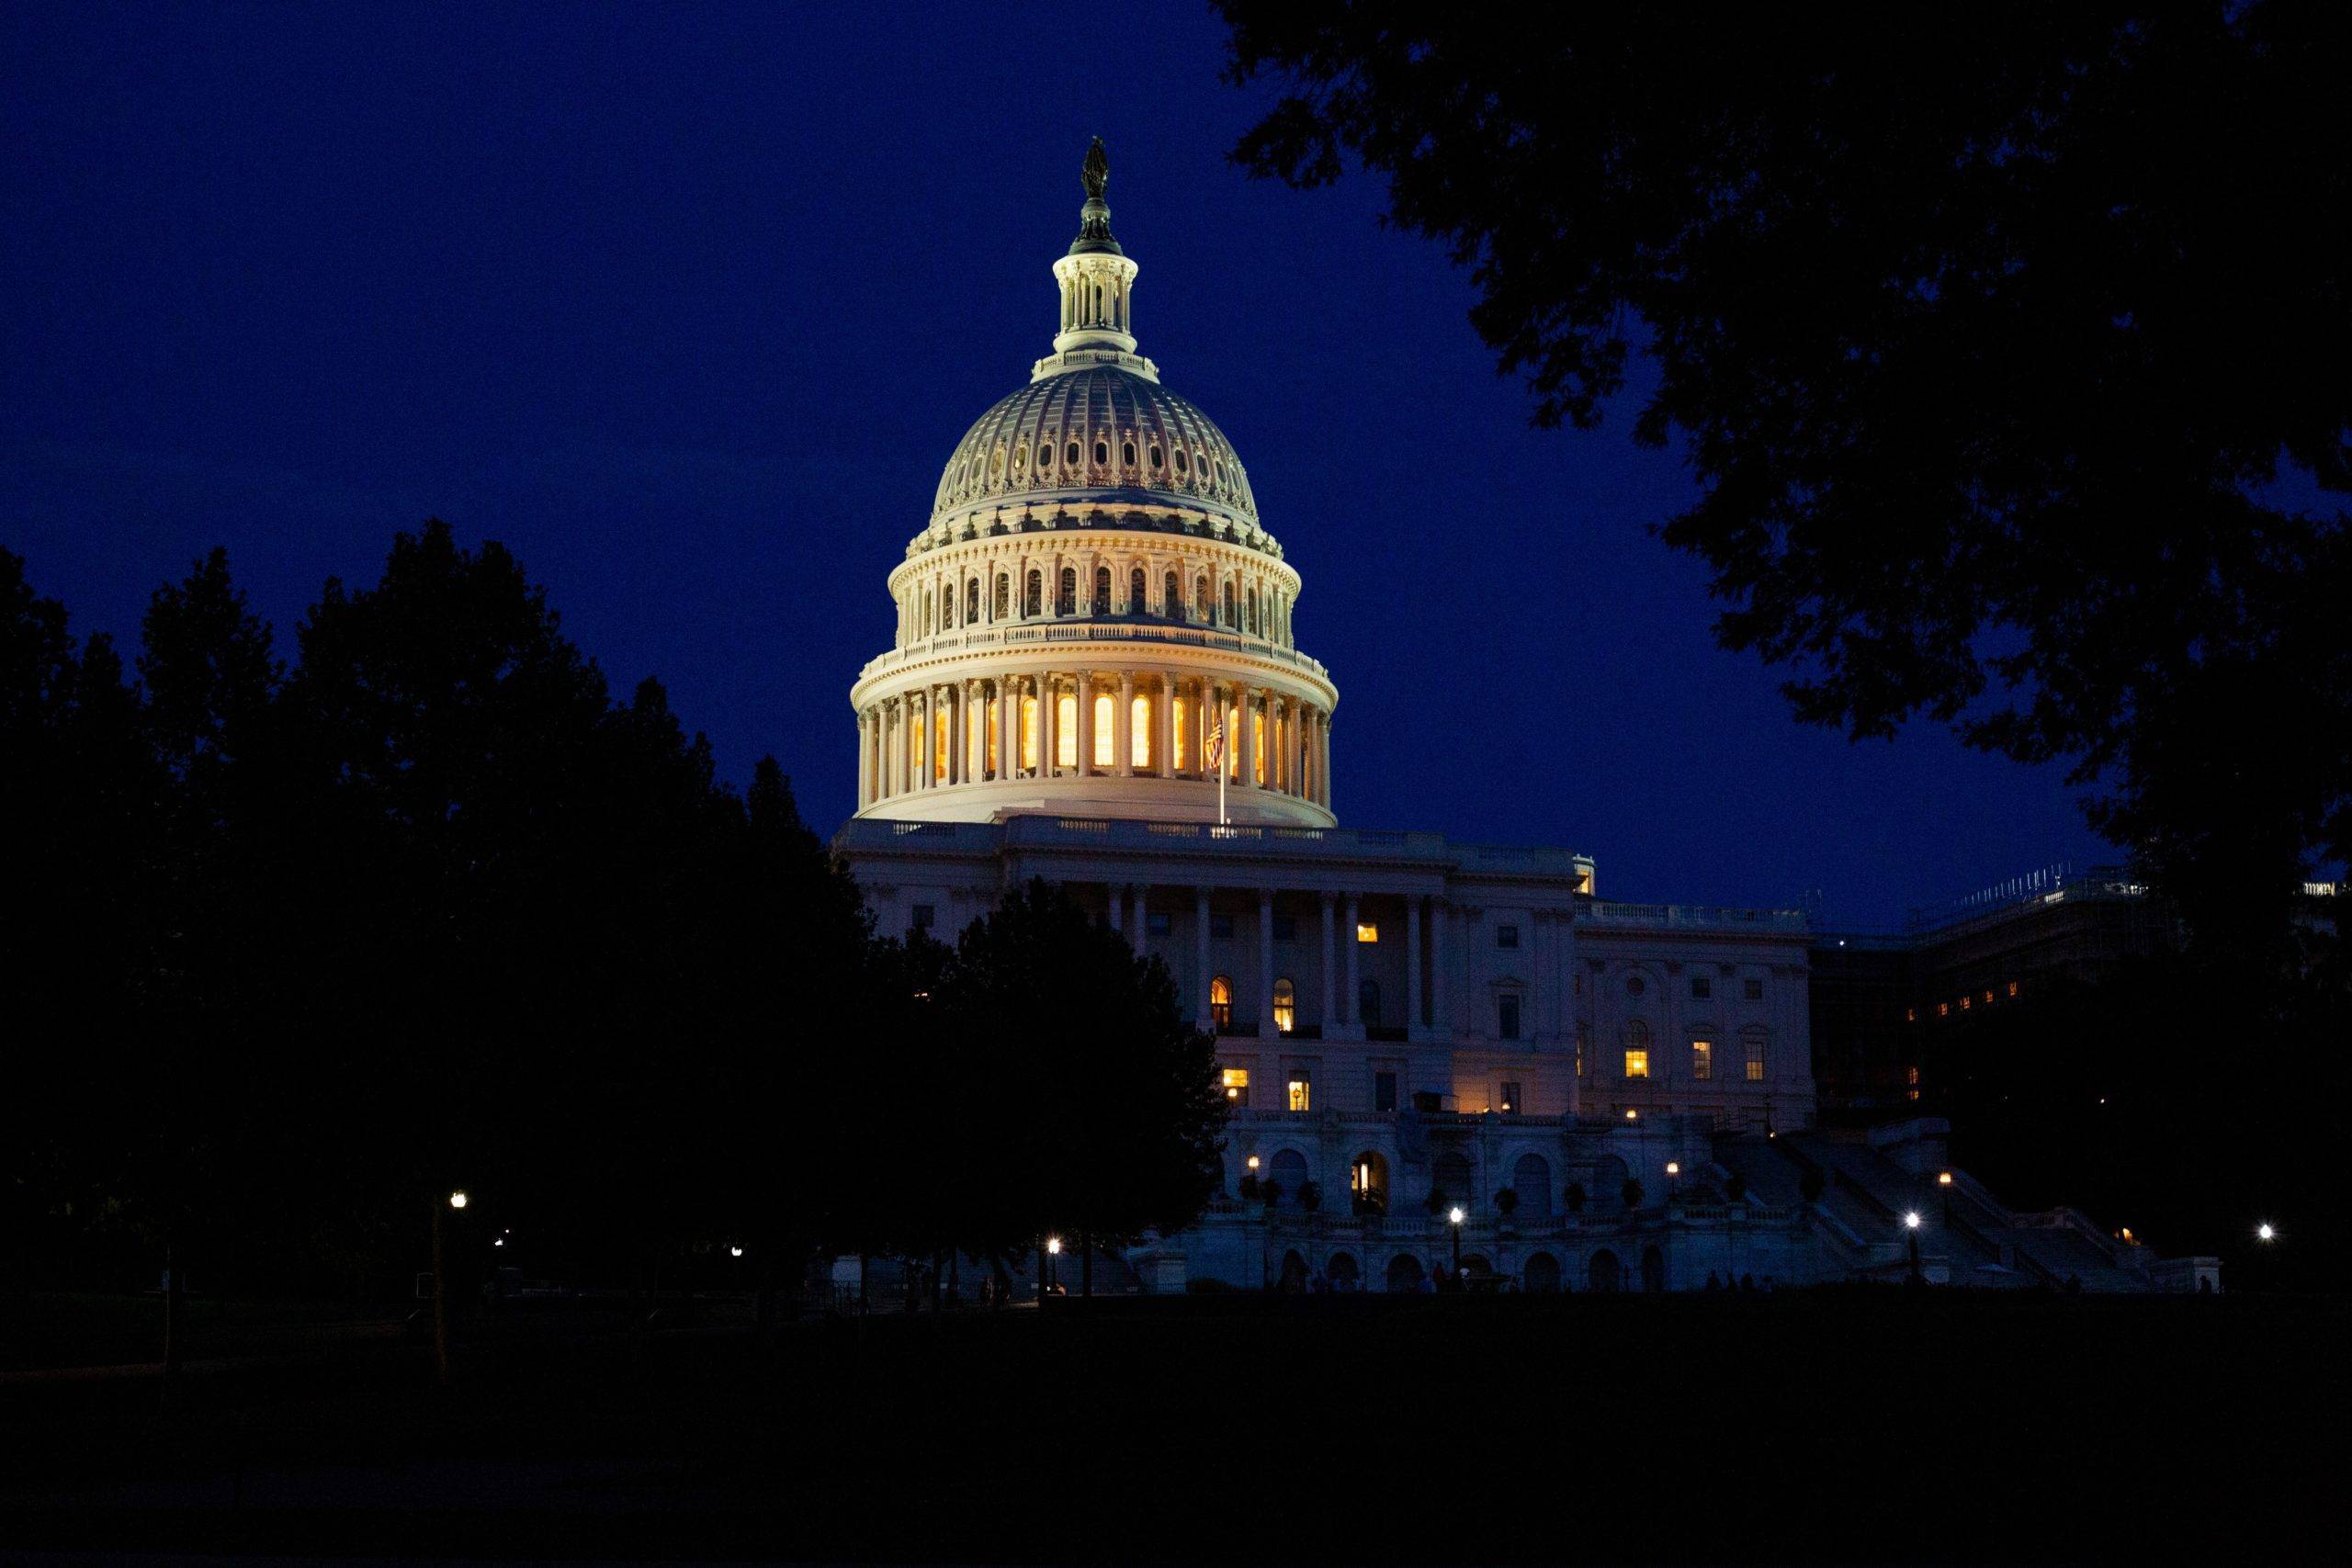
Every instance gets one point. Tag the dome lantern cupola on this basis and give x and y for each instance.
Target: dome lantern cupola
(1097, 282)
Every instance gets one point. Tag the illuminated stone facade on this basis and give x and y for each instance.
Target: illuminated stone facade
(1406, 1024)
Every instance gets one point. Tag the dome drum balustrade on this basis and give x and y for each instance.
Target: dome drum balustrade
(1092, 603)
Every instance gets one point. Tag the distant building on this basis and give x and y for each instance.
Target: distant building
(1097, 679)
(1878, 1000)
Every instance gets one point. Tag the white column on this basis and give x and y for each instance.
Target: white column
(959, 726)
(1123, 728)
(1413, 965)
(1248, 739)
(918, 738)
(1350, 994)
(1200, 952)
(1266, 1030)
(1007, 715)
(1163, 719)
(1330, 1020)
(1048, 724)
(1439, 959)
(1323, 751)
(1298, 749)
(1115, 901)
(1085, 722)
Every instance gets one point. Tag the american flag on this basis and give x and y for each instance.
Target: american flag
(1217, 743)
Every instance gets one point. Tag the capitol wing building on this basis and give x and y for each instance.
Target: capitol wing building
(1097, 678)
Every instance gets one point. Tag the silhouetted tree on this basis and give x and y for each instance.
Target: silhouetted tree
(1985, 332)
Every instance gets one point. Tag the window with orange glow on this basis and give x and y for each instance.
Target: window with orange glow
(1184, 715)
(1637, 1063)
(1221, 1003)
(1237, 1085)
(1285, 1005)
(1139, 727)
(1106, 739)
(1258, 740)
(1702, 1059)
(1367, 932)
(1028, 722)
(1065, 730)
(1301, 1092)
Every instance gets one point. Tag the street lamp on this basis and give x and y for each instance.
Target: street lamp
(2264, 1232)
(457, 1199)
(1455, 1215)
(1911, 1237)
(1053, 1250)
(734, 1252)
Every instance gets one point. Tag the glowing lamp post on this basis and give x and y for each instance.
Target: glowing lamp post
(2265, 1233)
(457, 1199)
(1911, 1239)
(1455, 1215)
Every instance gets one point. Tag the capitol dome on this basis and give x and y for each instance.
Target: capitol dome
(1093, 622)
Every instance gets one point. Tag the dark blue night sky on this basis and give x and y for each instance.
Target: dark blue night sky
(689, 304)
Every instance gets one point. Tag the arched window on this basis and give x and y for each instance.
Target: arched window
(1102, 605)
(1250, 612)
(971, 600)
(1183, 465)
(1637, 1049)
(1531, 1179)
(1155, 461)
(1404, 1275)
(1136, 595)
(1285, 1005)
(1539, 1275)
(1200, 598)
(1102, 453)
(1172, 606)
(996, 463)
(1290, 1170)
(1221, 1004)
(1229, 616)
(1029, 733)
(1368, 1004)
(1045, 453)
(1453, 1174)
(1065, 730)
(1004, 589)
(1368, 1183)
(1751, 1050)
(1106, 754)
(1182, 718)
(1034, 594)
(930, 610)
(1127, 453)
(1069, 454)
(1066, 603)
(1020, 459)
(1140, 732)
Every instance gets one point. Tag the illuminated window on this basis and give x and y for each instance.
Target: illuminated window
(1258, 744)
(1637, 1063)
(1029, 732)
(1139, 733)
(1366, 931)
(1106, 739)
(1065, 730)
(1988, 999)
(1020, 459)
(1702, 1059)
(1964, 1004)
(1753, 1041)
(1301, 1093)
(1506, 936)
(1910, 1015)
(2013, 988)
(1184, 718)
(1285, 1005)
(1511, 1101)
(1943, 1009)
(1911, 1075)
(939, 733)
(1754, 989)
(1237, 1085)
(1507, 1017)
(1702, 988)
(995, 742)
(1221, 1008)
(975, 736)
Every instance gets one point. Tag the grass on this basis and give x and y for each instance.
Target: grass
(1859, 1424)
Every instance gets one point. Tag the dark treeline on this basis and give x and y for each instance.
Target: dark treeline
(294, 946)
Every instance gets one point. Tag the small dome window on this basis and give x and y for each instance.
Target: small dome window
(1102, 451)
(1069, 455)
(996, 464)
(1046, 456)
(1155, 458)
(1020, 458)
(1127, 453)
(1181, 465)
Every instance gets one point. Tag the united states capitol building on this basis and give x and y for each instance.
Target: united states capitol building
(1094, 624)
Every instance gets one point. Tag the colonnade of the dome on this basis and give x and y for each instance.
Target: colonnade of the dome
(1234, 588)
(1076, 724)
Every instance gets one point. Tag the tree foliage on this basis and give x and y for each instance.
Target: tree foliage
(2002, 342)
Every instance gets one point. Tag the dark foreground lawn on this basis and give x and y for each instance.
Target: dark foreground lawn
(1824, 1426)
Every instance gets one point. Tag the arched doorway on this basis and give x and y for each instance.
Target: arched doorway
(1404, 1272)
(1653, 1268)
(1606, 1275)
(1294, 1277)
(1368, 1183)
(1531, 1179)
(1289, 1174)
(1541, 1277)
(1342, 1272)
